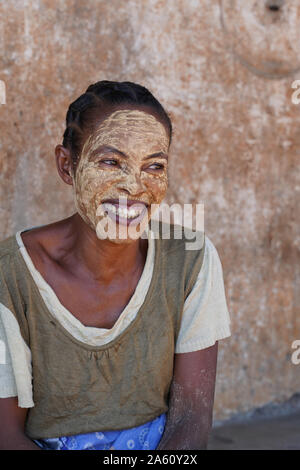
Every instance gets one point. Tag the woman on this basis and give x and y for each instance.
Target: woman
(111, 334)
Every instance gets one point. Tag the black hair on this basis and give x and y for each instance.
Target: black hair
(99, 97)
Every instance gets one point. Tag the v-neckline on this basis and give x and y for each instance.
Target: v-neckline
(47, 292)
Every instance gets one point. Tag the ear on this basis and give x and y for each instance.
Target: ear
(64, 163)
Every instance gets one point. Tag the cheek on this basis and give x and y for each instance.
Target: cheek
(157, 185)
(92, 182)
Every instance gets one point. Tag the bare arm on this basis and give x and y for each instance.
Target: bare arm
(12, 418)
(191, 400)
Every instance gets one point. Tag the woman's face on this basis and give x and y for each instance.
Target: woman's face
(125, 157)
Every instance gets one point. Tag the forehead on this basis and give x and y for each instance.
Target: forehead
(128, 128)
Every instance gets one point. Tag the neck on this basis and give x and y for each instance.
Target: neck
(103, 260)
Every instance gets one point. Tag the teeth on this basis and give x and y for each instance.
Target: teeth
(123, 212)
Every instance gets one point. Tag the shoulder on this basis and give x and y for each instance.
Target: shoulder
(8, 248)
(212, 261)
(209, 282)
(211, 251)
(177, 237)
(7, 245)
(210, 275)
(11, 264)
(205, 317)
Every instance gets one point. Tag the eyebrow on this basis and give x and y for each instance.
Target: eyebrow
(157, 155)
(108, 148)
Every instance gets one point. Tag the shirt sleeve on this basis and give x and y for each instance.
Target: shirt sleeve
(205, 317)
(15, 361)
(15, 354)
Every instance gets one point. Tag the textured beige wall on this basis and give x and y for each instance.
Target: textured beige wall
(224, 71)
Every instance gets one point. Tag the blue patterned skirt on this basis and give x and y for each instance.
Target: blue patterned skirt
(144, 437)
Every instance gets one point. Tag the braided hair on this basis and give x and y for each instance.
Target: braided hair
(82, 113)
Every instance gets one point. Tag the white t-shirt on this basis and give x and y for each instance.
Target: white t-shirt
(205, 319)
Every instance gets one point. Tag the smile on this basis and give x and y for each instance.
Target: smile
(130, 213)
(125, 215)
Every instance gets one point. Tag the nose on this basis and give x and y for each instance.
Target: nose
(132, 184)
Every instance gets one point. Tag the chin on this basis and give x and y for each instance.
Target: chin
(120, 234)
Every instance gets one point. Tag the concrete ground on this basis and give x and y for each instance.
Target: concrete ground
(271, 433)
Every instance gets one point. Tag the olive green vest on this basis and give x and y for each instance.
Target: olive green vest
(79, 388)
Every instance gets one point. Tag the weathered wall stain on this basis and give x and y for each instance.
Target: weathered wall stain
(236, 146)
(263, 35)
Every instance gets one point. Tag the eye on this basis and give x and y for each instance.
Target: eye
(157, 166)
(109, 162)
